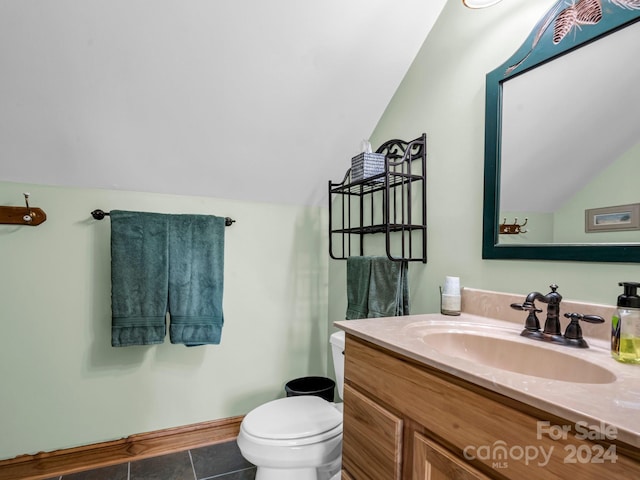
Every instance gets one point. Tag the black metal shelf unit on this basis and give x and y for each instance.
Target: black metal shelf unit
(394, 201)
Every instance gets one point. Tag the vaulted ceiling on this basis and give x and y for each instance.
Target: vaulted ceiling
(242, 99)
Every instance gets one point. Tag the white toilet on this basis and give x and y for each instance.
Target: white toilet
(297, 438)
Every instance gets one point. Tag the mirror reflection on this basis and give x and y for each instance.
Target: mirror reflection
(571, 143)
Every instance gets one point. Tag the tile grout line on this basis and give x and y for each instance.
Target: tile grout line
(193, 468)
(221, 475)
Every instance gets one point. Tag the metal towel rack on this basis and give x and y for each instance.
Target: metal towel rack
(100, 214)
(392, 202)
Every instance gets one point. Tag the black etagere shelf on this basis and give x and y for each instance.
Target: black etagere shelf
(391, 202)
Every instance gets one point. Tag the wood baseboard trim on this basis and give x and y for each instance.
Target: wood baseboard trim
(46, 465)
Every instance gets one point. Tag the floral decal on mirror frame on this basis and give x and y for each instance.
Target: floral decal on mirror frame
(572, 17)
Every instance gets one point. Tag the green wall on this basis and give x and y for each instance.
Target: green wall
(63, 384)
(443, 95)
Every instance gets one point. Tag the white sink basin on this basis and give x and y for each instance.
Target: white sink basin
(517, 355)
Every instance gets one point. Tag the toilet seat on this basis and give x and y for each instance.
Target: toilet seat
(301, 420)
(294, 442)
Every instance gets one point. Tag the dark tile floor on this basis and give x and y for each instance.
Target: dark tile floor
(220, 462)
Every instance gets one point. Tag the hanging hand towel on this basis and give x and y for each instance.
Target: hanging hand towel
(196, 277)
(388, 288)
(376, 287)
(358, 278)
(139, 276)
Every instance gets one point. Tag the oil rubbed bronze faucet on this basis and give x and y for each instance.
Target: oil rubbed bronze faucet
(551, 332)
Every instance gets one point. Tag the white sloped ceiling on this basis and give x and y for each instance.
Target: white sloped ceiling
(242, 99)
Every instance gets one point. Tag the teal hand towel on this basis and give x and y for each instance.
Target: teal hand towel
(196, 278)
(358, 279)
(376, 287)
(139, 276)
(388, 288)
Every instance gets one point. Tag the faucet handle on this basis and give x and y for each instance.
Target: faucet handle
(526, 307)
(573, 333)
(585, 318)
(532, 324)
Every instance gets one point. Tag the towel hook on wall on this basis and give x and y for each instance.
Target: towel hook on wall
(512, 228)
(22, 215)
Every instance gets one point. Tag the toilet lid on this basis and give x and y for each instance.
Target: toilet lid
(292, 418)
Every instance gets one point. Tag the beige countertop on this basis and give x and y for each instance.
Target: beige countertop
(612, 408)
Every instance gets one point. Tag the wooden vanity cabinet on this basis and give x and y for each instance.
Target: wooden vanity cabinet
(374, 460)
(407, 421)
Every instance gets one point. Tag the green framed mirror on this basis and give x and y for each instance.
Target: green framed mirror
(562, 143)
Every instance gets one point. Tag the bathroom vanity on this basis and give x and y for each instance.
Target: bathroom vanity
(419, 406)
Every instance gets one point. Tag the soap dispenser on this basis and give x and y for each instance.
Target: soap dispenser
(625, 325)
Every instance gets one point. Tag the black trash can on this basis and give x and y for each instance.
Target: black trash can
(316, 386)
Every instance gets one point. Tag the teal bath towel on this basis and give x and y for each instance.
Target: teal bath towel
(376, 287)
(139, 278)
(196, 276)
(166, 263)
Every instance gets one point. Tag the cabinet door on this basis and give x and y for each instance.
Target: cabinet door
(433, 462)
(372, 439)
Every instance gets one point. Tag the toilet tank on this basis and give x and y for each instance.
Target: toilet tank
(337, 348)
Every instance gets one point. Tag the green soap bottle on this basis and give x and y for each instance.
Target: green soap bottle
(625, 325)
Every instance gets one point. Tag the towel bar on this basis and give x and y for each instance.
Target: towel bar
(100, 214)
